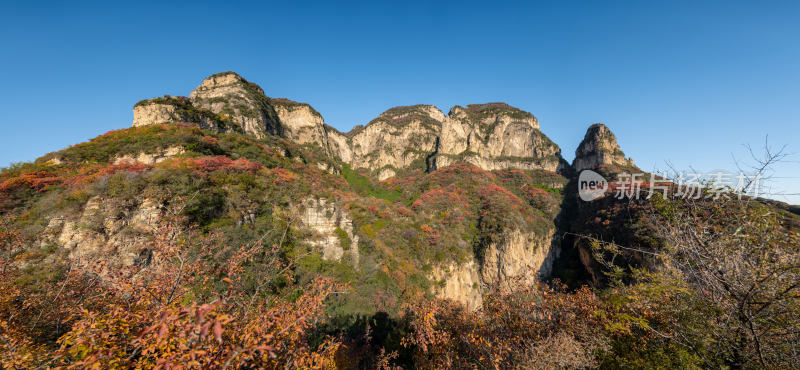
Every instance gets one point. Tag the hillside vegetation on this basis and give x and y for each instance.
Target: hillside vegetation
(172, 246)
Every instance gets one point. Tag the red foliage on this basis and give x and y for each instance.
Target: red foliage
(110, 132)
(448, 197)
(221, 163)
(283, 176)
(433, 234)
(210, 140)
(405, 212)
(39, 180)
(499, 196)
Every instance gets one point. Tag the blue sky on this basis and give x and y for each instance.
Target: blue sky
(682, 81)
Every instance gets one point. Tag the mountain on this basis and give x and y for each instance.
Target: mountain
(230, 190)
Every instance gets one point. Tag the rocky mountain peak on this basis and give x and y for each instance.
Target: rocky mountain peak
(424, 110)
(491, 136)
(239, 101)
(599, 148)
(496, 136)
(491, 113)
(427, 115)
(227, 78)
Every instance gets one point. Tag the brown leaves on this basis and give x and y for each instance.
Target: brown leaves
(503, 333)
(218, 331)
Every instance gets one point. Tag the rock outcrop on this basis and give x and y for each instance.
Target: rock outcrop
(339, 144)
(104, 225)
(400, 138)
(331, 229)
(227, 102)
(521, 254)
(170, 109)
(524, 255)
(150, 158)
(238, 101)
(496, 136)
(599, 149)
(459, 282)
(490, 136)
(300, 122)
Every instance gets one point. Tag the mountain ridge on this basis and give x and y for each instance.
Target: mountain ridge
(489, 135)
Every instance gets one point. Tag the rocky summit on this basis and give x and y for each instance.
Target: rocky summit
(233, 228)
(599, 149)
(490, 136)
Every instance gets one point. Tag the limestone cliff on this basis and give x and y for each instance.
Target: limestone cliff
(150, 158)
(339, 144)
(227, 102)
(169, 109)
(520, 254)
(241, 102)
(399, 138)
(496, 136)
(459, 282)
(525, 255)
(599, 149)
(300, 122)
(490, 136)
(104, 225)
(331, 229)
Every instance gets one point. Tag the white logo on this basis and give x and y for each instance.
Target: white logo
(591, 185)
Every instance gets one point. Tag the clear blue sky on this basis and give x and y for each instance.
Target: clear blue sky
(684, 81)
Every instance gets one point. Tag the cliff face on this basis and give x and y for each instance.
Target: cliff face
(524, 255)
(399, 138)
(338, 145)
(104, 225)
(238, 100)
(598, 149)
(490, 136)
(170, 109)
(227, 102)
(331, 230)
(300, 122)
(496, 136)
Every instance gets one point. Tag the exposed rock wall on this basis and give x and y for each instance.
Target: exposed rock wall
(170, 109)
(399, 138)
(598, 149)
(339, 145)
(104, 225)
(150, 158)
(238, 101)
(521, 254)
(496, 136)
(156, 113)
(491, 136)
(300, 122)
(524, 255)
(459, 282)
(331, 229)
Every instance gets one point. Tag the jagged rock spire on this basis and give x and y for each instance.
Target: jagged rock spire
(599, 149)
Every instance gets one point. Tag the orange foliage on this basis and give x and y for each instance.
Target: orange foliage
(283, 176)
(522, 326)
(149, 315)
(39, 180)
